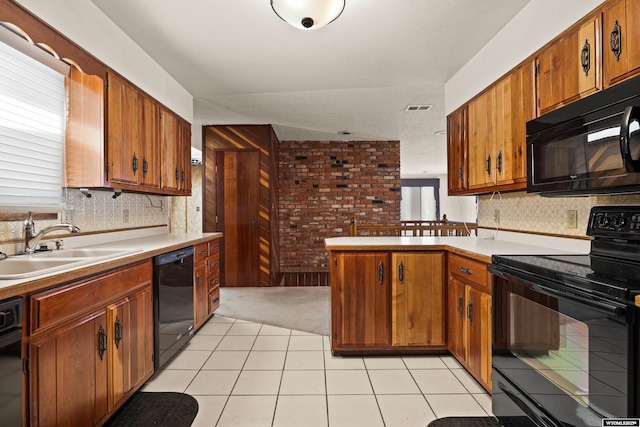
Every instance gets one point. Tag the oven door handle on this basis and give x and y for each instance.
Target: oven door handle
(610, 308)
(537, 283)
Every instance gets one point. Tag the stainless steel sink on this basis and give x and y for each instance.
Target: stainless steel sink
(89, 252)
(28, 265)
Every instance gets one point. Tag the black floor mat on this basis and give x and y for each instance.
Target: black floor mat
(164, 409)
(464, 422)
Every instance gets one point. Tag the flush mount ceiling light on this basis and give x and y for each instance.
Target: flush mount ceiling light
(308, 14)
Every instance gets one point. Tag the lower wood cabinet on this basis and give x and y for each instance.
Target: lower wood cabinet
(90, 346)
(383, 301)
(418, 299)
(469, 316)
(206, 271)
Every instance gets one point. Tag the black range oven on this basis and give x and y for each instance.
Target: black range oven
(565, 329)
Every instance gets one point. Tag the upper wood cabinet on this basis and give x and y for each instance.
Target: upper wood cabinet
(457, 147)
(568, 68)
(497, 134)
(621, 40)
(140, 147)
(175, 142)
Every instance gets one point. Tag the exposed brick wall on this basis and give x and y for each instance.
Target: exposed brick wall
(323, 185)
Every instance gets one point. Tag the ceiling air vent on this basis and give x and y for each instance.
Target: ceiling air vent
(418, 107)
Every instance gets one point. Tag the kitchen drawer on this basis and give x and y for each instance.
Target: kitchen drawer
(214, 247)
(214, 264)
(59, 304)
(201, 252)
(469, 270)
(213, 282)
(214, 299)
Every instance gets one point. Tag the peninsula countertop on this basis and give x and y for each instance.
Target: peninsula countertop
(479, 248)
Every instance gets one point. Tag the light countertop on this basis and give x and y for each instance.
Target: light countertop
(475, 247)
(145, 248)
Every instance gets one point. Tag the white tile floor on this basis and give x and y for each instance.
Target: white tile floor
(247, 374)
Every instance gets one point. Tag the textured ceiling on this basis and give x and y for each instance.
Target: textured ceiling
(243, 64)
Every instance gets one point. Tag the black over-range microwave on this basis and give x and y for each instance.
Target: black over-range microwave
(591, 146)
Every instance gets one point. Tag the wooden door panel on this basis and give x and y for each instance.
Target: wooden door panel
(238, 199)
(418, 299)
(364, 295)
(65, 366)
(456, 318)
(614, 17)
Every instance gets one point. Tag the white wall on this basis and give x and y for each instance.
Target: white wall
(538, 23)
(457, 208)
(83, 23)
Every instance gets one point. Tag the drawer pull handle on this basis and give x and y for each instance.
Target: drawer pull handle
(202, 251)
(118, 331)
(215, 247)
(102, 342)
(466, 270)
(216, 300)
(216, 281)
(615, 41)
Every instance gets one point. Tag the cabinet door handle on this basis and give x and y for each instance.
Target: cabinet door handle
(380, 273)
(459, 305)
(102, 342)
(134, 164)
(198, 282)
(585, 57)
(177, 175)
(401, 272)
(615, 41)
(461, 174)
(499, 162)
(488, 168)
(470, 310)
(466, 270)
(145, 166)
(118, 331)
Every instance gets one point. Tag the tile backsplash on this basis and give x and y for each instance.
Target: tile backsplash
(533, 213)
(100, 212)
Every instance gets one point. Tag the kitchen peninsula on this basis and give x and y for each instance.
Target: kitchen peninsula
(417, 295)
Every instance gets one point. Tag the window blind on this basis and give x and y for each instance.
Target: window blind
(32, 121)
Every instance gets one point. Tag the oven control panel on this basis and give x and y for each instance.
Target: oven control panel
(615, 222)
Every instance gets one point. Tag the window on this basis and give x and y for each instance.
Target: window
(32, 128)
(420, 199)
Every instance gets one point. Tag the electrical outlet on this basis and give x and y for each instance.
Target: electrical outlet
(125, 216)
(572, 219)
(496, 216)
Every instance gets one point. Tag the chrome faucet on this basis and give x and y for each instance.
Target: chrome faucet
(31, 239)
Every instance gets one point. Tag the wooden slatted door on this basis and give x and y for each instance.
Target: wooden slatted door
(237, 193)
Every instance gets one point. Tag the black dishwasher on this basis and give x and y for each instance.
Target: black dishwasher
(172, 303)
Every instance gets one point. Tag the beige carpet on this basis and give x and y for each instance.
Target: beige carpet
(301, 308)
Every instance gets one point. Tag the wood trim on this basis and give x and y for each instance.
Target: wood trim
(40, 32)
(537, 233)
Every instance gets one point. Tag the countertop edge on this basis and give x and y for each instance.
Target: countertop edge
(151, 246)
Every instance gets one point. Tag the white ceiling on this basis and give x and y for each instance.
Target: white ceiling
(243, 64)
